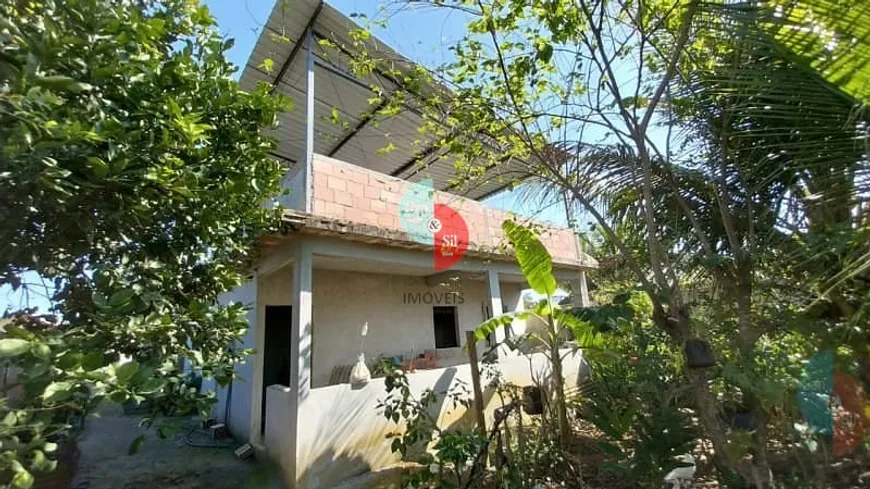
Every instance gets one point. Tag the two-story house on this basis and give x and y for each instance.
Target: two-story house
(350, 259)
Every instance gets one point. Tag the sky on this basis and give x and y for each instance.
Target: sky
(422, 34)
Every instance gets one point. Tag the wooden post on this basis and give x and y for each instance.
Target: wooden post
(471, 344)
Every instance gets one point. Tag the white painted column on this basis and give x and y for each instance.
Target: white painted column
(302, 314)
(300, 343)
(309, 121)
(495, 303)
(580, 295)
(584, 291)
(258, 329)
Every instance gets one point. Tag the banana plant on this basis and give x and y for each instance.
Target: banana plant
(536, 266)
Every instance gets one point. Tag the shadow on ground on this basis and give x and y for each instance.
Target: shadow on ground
(159, 464)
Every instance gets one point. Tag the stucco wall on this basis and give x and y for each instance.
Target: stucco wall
(239, 420)
(342, 433)
(345, 191)
(294, 181)
(344, 301)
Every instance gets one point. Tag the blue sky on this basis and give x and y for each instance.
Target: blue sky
(421, 34)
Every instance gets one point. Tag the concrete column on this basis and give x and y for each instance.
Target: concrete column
(584, 291)
(258, 330)
(495, 301)
(581, 291)
(300, 345)
(302, 314)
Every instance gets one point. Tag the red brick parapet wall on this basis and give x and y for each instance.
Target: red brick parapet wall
(352, 193)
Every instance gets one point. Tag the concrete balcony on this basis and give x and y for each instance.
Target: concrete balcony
(364, 202)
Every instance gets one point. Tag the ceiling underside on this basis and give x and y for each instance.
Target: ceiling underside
(413, 157)
(348, 264)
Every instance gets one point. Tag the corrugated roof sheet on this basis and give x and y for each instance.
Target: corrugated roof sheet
(335, 87)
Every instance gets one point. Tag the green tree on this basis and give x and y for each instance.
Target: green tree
(134, 180)
(720, 148)
(536, 266)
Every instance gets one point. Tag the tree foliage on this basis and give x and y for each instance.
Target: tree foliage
(720, 149)
(133, 173)
(535, 263)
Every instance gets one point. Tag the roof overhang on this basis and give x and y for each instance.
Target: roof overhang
(297, 223)
(414, 157)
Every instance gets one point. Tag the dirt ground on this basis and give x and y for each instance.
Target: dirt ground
(160, 464)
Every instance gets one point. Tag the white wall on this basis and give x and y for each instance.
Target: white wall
(294, 181)
(342, 433)
(342, 302)
(239, 421)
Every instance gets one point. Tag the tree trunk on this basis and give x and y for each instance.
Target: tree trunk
(747, 338)
(559, 393)
(730, 470)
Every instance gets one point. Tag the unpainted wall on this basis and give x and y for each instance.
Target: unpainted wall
(345, 191)
(398, 310)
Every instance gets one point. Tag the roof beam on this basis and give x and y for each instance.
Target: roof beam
(416, 159)
(364, 121)
(288, 159)
(297, 46)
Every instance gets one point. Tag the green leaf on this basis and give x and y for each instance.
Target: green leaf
(100, 300)
(126, 371)
(57, 391)
(585, 334)
(12, 347)
(802, 28)
(386, 149)
(69, 360)
(41, 350)
(490, 325)
(136, 445)
(268, 65)
(40, 461)
(63, 83)
(151, 386)
(121, 298)
(92, 361)
(10, 419)
(98, 166)
(532, 257)
(23, 480)
(545, 52)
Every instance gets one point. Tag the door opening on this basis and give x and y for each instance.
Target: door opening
(276, 352)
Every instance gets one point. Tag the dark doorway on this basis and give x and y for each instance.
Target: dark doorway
(446, 331)
(276, 351)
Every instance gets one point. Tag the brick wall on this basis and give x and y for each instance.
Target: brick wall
(352, 193)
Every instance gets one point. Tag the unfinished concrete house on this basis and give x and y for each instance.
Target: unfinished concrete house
(349, 260)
